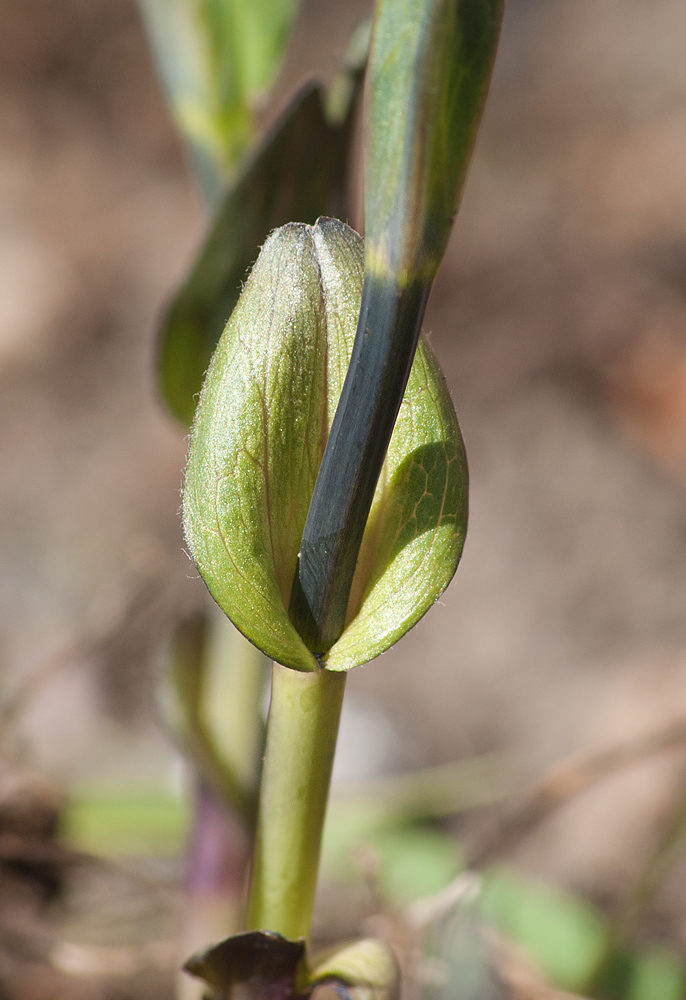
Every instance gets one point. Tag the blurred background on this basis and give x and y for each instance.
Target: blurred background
(559, 317)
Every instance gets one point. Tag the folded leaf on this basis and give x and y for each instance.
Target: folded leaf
(266, 965)
(259, 434)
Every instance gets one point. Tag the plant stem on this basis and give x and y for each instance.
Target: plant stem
(219, 678)
(235, 675)
(302, 729)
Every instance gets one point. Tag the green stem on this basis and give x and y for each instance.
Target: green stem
(230, 721)
(302, 728)
(219, 678)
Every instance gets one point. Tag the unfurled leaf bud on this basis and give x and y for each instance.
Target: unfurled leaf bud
(260, 429)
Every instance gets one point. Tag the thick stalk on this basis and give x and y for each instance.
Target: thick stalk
(302, 729)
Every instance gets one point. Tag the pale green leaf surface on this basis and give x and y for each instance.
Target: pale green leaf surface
(430, 65)
(417, 522)
(259, 434)
(255, 445)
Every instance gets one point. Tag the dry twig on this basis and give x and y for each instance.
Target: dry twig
(566, 780)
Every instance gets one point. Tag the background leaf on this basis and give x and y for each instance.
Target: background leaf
(564, 935)
(297, 173)
(141, 822)
(658, 974)
(216, 58)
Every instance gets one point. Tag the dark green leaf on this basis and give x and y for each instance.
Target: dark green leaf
(298, 173)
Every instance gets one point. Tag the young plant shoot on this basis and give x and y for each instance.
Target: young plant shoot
(216, 57)
(325, 501)
(260, 431)
(259, 435)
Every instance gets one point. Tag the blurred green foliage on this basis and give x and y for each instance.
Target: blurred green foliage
(657, 974)
(414, 861)
(217, 58)
(127, 822)
(646, 973)
(564, 936)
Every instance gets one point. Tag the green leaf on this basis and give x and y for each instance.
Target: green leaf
(298, 172)
(259, 434)
(133, 822)
(216, 58)
(658, 974)
(367, 970)
(429, 68)
(417, 522)
(564, 935)
(414, 861)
